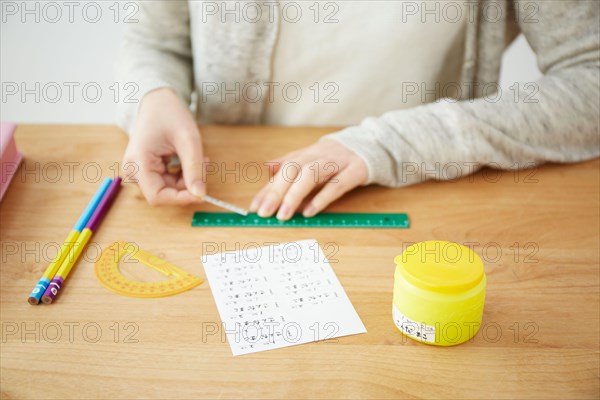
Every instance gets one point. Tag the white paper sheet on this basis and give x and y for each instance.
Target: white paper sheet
(277, 296)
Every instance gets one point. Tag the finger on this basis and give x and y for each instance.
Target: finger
(155, 189)
(258, 198)
(174, 181)
(172, 197)
(312, 175)
(180, 184)
(189, 150)
(275, 164)
(170, 180)
(346, 180)
(130, 168)
(278, 187)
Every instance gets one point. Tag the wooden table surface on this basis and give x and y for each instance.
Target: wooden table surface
(537, 232)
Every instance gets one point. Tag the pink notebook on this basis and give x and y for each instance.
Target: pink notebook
(10, 158)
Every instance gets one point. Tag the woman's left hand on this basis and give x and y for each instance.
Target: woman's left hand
(327, 165)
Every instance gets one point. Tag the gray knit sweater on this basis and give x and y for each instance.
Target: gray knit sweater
(555, 119)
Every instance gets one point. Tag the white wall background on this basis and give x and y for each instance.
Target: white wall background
(58, 47)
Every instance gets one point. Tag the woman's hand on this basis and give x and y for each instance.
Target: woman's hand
(327, 165)
(165, 127)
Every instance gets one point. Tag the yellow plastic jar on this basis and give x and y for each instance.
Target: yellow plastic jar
(439, 292)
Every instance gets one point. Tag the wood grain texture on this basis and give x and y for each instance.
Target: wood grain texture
(538, 232)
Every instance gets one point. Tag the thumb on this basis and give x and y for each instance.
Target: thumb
(190, 152)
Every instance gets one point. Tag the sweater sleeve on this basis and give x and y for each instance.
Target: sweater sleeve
(555, 119)
(155, 53)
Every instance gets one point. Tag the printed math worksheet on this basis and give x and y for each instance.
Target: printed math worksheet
(277, 296)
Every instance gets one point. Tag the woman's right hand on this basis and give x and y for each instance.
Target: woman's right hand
(165, 127)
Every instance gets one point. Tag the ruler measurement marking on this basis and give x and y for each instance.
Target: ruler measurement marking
(325, 220)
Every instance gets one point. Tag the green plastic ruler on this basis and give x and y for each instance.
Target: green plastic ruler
(323, 220)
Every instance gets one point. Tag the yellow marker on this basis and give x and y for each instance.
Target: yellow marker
(109, 275)
(439, 293)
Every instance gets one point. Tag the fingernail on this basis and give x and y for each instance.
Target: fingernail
(266, 210)
(254, 205)
(284, 213)
(198, 189)
(309, 211)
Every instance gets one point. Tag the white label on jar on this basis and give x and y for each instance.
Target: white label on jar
(412, 328)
